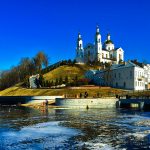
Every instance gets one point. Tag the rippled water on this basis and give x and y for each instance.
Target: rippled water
(104, 129)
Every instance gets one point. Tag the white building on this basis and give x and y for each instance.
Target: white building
(147, 76)
(101, 52)
(126, 76)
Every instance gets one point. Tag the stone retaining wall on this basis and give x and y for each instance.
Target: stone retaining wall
(87, 103)
(88, 87)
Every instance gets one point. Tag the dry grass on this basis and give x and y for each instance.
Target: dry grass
(19, 91)
(70, 71)
(63, 71)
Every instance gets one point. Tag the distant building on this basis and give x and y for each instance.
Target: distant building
(34, 81)
(126, 76)
(105, 52)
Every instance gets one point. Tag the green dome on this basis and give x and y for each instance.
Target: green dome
(108, 42)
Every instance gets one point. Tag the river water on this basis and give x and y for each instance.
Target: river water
(104, 129)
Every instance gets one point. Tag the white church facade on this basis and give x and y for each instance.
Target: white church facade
(100, 52)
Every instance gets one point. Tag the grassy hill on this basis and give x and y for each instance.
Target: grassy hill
(61, 71)
(67, 70)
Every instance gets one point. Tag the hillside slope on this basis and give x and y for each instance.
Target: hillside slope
(70, 71)
(61, 71)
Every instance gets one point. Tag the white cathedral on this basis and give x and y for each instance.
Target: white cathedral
(98, 52)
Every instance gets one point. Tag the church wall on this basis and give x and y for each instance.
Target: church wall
(106, 61)
(80, 56)
(111, 54)
(89, 54)
(109, 46)
(105, 54)
(119, 53)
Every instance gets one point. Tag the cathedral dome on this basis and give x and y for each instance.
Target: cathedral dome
(109, 42)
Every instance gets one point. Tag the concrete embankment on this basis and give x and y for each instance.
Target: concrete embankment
(86, 102)
(12, 100)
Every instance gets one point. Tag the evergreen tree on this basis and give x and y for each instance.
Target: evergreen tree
(69, 62)
(56, 82)
(66, 80)
(41, 81)
(52, 83)
(76, 80)
(60, 80)
(74, 62)
(47, 83)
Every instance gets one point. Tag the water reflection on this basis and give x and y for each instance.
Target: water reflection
(27, 128)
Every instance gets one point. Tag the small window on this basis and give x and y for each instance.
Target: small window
(80, 45)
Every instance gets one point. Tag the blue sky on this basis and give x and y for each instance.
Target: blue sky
(28, 26)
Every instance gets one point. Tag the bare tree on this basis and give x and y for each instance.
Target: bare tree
(25, 68)
(41, 59)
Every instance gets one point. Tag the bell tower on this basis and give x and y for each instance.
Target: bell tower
(79, 50)
(98, 45)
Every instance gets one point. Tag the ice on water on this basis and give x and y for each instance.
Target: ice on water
(49, 134)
